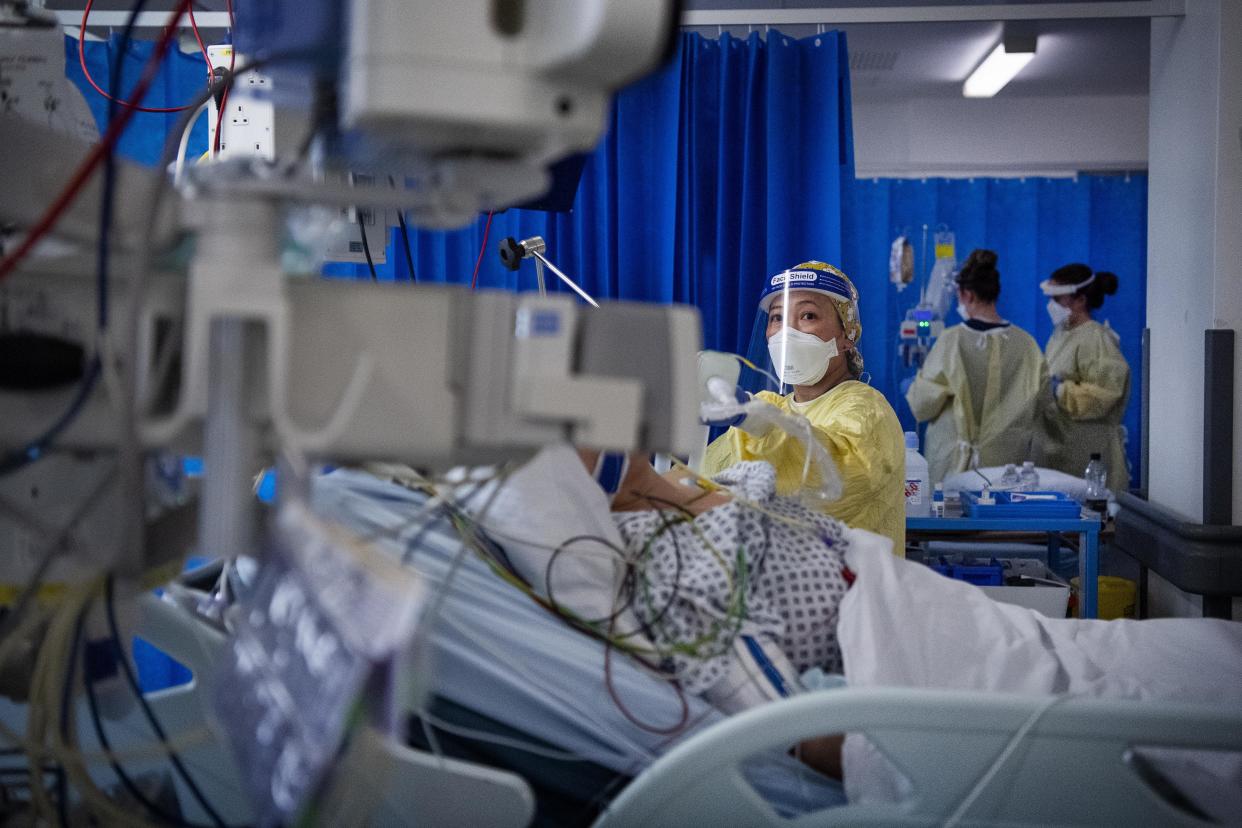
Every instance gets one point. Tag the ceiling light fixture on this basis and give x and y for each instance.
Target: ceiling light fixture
(1000, 66)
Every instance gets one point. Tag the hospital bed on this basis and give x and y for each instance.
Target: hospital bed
(968, 759)
(1074, 760)
(512, 685)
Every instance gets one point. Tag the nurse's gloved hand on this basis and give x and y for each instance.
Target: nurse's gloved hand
(721, 414)
(761, 417)
(723, 404)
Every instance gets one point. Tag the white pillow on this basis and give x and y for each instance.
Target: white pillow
(550, 503)
(1050, 480)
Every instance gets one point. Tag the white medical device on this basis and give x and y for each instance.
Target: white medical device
(468, 103)
(444, 110)
(346, 371)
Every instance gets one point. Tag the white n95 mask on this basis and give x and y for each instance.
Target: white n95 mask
(800, 358)
(1057, 312)
(962, 312)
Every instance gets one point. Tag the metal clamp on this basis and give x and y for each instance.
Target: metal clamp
(512, 252)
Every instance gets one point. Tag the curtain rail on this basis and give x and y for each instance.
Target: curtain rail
(777, 17)
(146, 20)
(935, 14)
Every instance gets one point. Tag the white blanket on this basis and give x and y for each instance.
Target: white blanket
(901, 624)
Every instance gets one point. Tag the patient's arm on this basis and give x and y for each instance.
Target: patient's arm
(642, 489)
(823, 754)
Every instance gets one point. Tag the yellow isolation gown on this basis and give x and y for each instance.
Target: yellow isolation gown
(981, 392)
(1086, 414)
(861, 432)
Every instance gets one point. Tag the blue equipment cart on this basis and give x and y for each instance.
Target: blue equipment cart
(1084, 523)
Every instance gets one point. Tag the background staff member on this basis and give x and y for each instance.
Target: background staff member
(981, 383)
(1090, 377)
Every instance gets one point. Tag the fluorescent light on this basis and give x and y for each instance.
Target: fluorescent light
(997, 69)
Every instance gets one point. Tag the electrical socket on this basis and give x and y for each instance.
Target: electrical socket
(249, 122)
(249, 131)
(348, 248)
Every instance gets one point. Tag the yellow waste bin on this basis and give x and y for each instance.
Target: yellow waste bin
(1117, 597)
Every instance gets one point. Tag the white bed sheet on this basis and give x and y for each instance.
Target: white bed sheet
(903, 625)
(499, 654)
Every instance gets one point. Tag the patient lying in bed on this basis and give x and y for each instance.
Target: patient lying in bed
(741, 591)
(899, 624)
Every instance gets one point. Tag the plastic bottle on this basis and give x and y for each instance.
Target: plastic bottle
(1097, 490)
(918, 479)
(1009, 480)
(938, 501)
(1028, 478)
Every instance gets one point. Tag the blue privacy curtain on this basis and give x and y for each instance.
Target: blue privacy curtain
(1034, 224)
(733, 162)
(727, 165)
(181, 76)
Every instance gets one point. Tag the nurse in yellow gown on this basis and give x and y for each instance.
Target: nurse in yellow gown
(981, 386)
(812, 331)
(1090, 377)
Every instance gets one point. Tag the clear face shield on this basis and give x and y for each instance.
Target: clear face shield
(777, 358)
(780, 354)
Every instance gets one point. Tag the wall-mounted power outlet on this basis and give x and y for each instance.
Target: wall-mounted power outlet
(349, 248)
(248, 126)
(248, 123)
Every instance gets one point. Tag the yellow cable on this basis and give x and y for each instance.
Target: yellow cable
(712, 485)
(43, 739)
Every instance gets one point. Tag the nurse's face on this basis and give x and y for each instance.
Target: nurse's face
(809, 312)
(1075, 303)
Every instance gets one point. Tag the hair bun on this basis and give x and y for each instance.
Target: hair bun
(1108, 282)
(981, 257)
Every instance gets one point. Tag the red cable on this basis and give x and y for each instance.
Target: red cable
(201, 47)
(682, 719)
(223, 107)
(224, 96)
(86, 13)
(220, 111)
(474, 280)
(80, 176)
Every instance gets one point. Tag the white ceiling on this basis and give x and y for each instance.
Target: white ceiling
(1083, 57)
(916, 60)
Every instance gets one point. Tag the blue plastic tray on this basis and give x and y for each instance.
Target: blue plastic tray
(981, 571)
(980, 574)
(1049, 505)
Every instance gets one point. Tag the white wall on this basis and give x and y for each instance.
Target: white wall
(1000, 136)
(1194, 245)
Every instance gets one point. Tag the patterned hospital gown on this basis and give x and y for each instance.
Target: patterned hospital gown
(792, 587)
